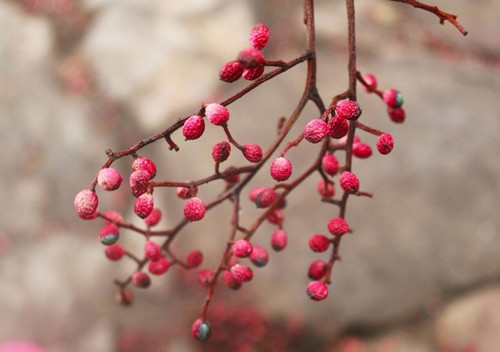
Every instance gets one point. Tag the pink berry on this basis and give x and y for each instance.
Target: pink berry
(144, 205)
(348, 109)
(385, 143)
(315, 130)
(259, 36)
(217, 114)
(159, 266)
(114, 252)
(361, 150)
(252, 152)
(242, 248)
(153, 218)
(279, 240)
(281, 169)
(153, 251)
(325, 189)
(139, 182)
(194, 259)
(317, 290)
(194, 209)
(114, 216)
(241, 273)
(254, 192)
(193, 127)
(349, 182)
(317, 269)
(259, 256)
(141, 279)
(232, 176)
(330, 164)
(221, 151)
(142, 163)
(109, 179)
(230, 281)
(319, 243)
(372, 82)
(251, 74)
(86, 203)
(396, 115)
(204, 277)
(187, 192)
(231, 71)
(201, 330)
(250, 58)
(276, 217)
(337, 127)
(109, 234)
(265, 198)
(338, 227)
(393, 98)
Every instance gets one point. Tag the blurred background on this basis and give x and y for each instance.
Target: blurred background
(421, 270)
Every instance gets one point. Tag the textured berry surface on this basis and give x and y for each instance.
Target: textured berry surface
(142, 163)
(317, 290)
(265, 198)
(252, 152)
(319, 243)
(85, 203)
(186, 192)
(250, 58)
(349, 182)
(259, 256)
(315, 131)
(242, 248)
(385, 143)
(194, 209)
(159, 266)
(279, 239)
(241, 273)
(109, 234)
(337, 127)
(348, 109)
(221, 151)
(193, 127)
(109, 179)
(231, 71)
(152, 250)
(361, 150)
(251, 74)
(317, 269)
(259, 36)
(114, 252)
(217, 114)
(338, 226)
(330, 164)
(230, 281)
(144, 205)
(281, 169)
(393, 98)
(139, 182)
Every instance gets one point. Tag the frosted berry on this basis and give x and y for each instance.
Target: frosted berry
(361, 150)
(193, 127)
(279, 239)
(187, 192)
(230, 281)
(325, 189)
(153, 218)
(194, 209)
(259, 36)
(251, 74)
(217, 114)
(114, 216)
(317, 290)
(194, 259)
(385, 143)
(242, 248)
(86, 203)
(337, 127)
(241, 273)
(139, 182)
(204, 277)
(109, 234)
(141, 279)
(396, 115)
(250, 58)
(372, 82)
(317, 269)
(319, 243)
(114, 252)
(91, 216)
(142, 163)
(281, 169)
(144, 205)
(159, 267)
(109, 179)
(252, 152)
(348, 109)
(330, 164)
(259, 256)
(231, 71)
(265, 198)
(315, 130)
(201, 330)
(393, 98)
(276, 217)
(153, 251)
(349, 182)
(221, 151)
(338, 226)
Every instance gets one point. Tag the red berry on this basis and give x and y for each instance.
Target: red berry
(252, 152)
(109, 234)
(217, 114)
(194, 209)
(317, 269)
(159, 267)
(141, 279)
(259, 256)
(276, 217)
(349, 182)
(385, 143)
(348, 109)
(201, 330)
(361, 150)
(153, 218)
(232, 178)
(250, 58)
(396, 114)
(139, 182)
(187, 192)
(259, 36)
(251, 74)
(338, 226)
(281, 169)
(86, 203)
(204, 277)
(230, 281)
(265, 198)
(194, 259)
(254, 192)
(372, 82)
(114, 252)
(337, 127)
(142, 163)
(317, 290)
(221, 151)
(144, 205)
(241, 273)
(242, 248)
(109, 179)
(325, 189)
(319, 243)
(279, 240)
(330, 164)
(231, 71)
(113, 215)
(193, 127)
(393, 98)
(153, 251)
(315, 130)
